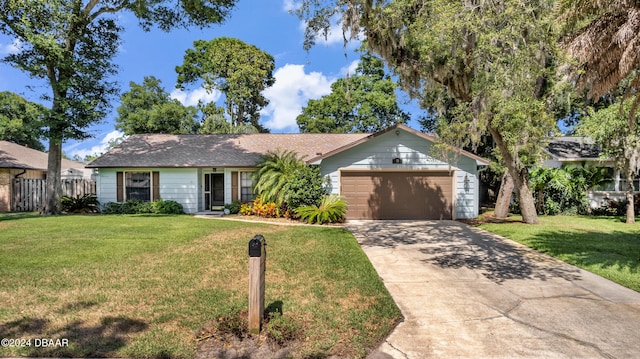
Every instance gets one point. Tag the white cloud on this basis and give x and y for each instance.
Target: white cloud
(100, 148)
(192, 98)
(292, 89)
(350, 69)
(11, 48)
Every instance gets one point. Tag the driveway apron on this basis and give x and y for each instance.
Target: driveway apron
(467, 293)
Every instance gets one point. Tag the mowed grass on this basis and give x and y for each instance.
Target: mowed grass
(142, 286)
(602, 245)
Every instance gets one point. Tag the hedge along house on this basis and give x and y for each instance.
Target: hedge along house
(387, 175)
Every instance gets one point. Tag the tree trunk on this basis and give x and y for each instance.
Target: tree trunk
(527, 205)
(520, 176)
(504, 196)
(631, 216)
(53, 185)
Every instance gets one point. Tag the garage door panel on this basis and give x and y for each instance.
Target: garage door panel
(397, 195)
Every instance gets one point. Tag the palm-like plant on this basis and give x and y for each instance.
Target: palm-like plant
(274, 176)
(606, 43)
(332, 209)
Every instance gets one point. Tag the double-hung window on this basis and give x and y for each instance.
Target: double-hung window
(138, 186)
(246, 186)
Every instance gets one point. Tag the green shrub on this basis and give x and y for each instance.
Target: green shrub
(233, 207)
(143, 208)
(562, 190)
(134, 206)
(112, 208)
(307, 188)
(166, 207)
(87, 203)
(332, 209)
(617, 207)
(128, 207)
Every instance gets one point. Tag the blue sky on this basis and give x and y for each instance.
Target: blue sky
(299, 75)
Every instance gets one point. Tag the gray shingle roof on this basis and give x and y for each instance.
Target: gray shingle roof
(20, 157)
(159, 150)
(573, 148)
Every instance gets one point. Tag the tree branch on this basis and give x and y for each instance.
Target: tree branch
(91, 5)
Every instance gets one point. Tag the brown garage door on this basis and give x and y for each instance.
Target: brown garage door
(397, 195)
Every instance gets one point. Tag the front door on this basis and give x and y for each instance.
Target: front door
(213, 190)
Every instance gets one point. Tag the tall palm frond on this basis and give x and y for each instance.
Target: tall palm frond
(606, 44)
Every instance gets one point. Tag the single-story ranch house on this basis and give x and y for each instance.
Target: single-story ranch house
(392, 174)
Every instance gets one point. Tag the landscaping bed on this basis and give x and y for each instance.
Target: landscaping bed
(159, 286)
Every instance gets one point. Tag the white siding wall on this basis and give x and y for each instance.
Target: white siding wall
(378, 154)
(467, 200)
(180, 185)
(176, 184)
(106, 185)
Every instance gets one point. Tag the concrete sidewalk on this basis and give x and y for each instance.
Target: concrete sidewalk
(466, 293)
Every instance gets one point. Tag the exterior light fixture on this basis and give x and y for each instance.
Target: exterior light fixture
(397, 160)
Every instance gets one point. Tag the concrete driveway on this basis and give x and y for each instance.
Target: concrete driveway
(466, 293)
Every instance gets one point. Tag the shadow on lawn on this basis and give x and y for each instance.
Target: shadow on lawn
(84, 340)
(591, 248)
(452, 245)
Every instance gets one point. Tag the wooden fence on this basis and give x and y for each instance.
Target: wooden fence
(29, 194)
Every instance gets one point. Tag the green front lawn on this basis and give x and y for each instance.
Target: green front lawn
(603, 245)
(143, 286)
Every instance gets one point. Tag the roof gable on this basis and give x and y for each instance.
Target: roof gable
(399, 127)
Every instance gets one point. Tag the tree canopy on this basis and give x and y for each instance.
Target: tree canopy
(70, 45)
(239, 70)
(148, 108)
(364, 102)
(21, 120)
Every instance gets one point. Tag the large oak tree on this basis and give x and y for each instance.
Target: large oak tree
(239, 70)
(70, 44)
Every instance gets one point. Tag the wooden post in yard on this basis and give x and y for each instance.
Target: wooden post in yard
(257, 268)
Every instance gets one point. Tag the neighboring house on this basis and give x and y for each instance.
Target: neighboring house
(19, 162)
(392, 174)
(581, 151)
